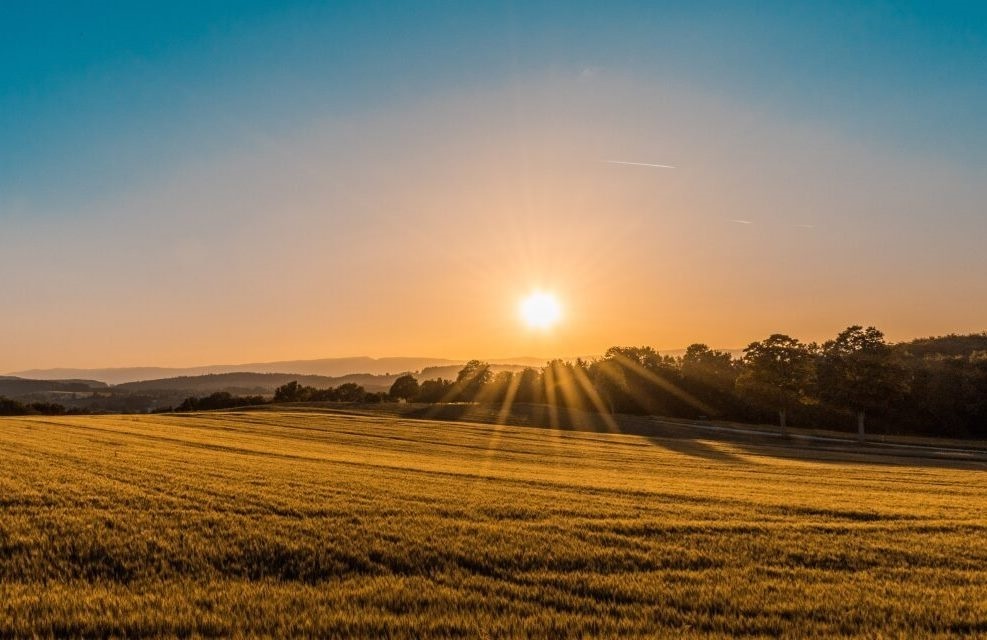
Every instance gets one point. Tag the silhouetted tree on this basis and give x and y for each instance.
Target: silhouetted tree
(710, 367)
(437, 390)
(945, 393)
(711, 377)
(501, 385)
(856, 371)
(10, 407)
(350, 392)
(405, 388)
(218, 400)
(471, 379)
(570, 383)
(640, 380)
(777, 373)
(529, 387)
(607, 377)
(290, 392)
(312, 394)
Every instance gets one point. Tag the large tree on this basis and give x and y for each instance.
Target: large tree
(529, 386)
(640, 380)
(437, 390)
(709, 366)
(350, 392)
(471, 379)
(404, 388)
(777, 373)
(857, 371)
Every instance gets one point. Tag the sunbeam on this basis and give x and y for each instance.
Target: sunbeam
(594, 397)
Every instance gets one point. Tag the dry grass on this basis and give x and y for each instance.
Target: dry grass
(314, 523)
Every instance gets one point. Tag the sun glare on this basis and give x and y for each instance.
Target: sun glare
(540, 310)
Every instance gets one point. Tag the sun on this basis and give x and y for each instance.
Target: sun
(540, 310)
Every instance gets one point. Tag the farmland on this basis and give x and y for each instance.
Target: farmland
(330, 523)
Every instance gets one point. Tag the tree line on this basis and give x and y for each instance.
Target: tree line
(856, 381)
(9, 407)
(290, 392)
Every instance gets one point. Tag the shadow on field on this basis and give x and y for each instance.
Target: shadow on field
(698, 449)
(694, 440)
(697, 439)
(674, 439)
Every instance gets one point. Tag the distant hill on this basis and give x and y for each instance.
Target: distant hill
(14, 387)
(330, 367)
(949, 346)
(247, 383)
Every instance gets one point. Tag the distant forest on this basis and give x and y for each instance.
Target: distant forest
(857, 380)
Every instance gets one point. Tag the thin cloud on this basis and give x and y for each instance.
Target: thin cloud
(742, 221)
(641, 164)
(806, 226)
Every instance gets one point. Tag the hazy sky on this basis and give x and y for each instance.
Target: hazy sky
(197, 182)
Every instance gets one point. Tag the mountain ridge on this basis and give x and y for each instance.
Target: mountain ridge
(328, 367)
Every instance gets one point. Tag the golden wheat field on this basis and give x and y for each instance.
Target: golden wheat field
(331, 524)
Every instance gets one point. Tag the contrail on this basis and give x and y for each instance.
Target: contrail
(742, 221)
(640, 164)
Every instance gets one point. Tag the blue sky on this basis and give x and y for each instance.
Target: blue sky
(99, 94)
(164, 165)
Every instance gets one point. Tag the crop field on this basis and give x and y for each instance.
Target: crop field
(317, 523)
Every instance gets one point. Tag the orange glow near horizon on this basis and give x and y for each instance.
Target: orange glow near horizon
(337, 239)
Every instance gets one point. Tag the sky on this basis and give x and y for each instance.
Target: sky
(189, 183)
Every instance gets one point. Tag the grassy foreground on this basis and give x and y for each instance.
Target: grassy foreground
(324, 524)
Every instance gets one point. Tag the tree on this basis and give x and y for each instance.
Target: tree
(10, 407)
(640, 380)
(777, 373)
(529, 386)
(471, 379)
(437, 390)
(500, 387)
(564, 383)
(290, 392)
(405, 388)
(350, 392)
(218, 400)
(312, 394)
(607, 377)
(644, 357)
(857, 372)
(708, 366)
(711, 377)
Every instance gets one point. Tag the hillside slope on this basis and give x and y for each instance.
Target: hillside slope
(14, 387)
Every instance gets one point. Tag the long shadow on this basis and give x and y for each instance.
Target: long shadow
(676, 439)
(522, 415)
(689, 439)
(698, 449)
(861, 453)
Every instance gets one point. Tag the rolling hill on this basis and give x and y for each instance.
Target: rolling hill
(246, 383)
(15, 387)
(329, 367)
